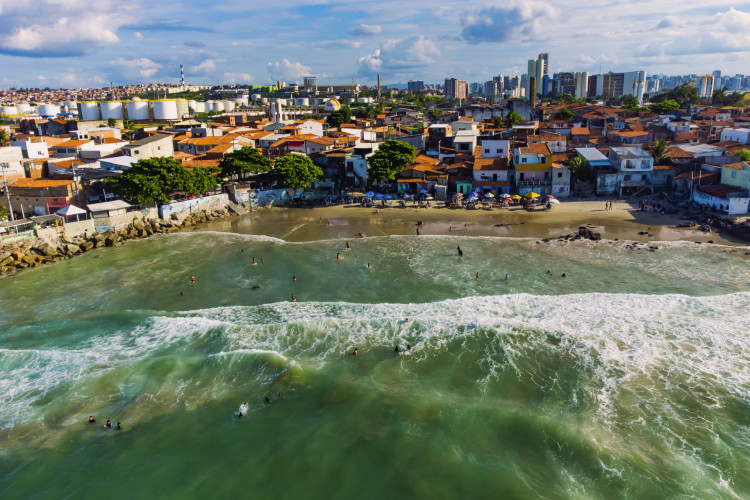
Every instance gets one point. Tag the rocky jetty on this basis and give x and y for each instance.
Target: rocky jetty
(24, 255)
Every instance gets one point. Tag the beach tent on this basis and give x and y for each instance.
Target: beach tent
(388, 197)
(516, 197)
(489, 195)
(70, 211)
(505, 195)
(532, 194)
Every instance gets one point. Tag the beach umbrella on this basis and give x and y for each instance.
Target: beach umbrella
(532, 194)
(429, 198)
(507, 201)
(388, 197)
(516, 197)
(370, 193)
(378, 196)
(489, 195)
(423, 191)
(554, 200)
(550, 196)
(505, 195)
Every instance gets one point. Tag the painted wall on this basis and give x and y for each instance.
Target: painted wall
(184, 208)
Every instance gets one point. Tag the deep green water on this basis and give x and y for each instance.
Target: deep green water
(628, 378)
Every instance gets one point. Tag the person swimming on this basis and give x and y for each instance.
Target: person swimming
(281, 396)
(253, 262)
(348, 245)
(368, 265)
(117, 427)
(338, 255)
(418, 232)
(563, 275)
(460, 252)
(243, 410)
(396, 350)
(294, 277)
(268, 400)
(506, 277)
(261, 259)
(356, 352)
(92, 420)
(294, 298)
(108, 425)
(361, 234)
(192, 279)
(255, 287)
(407, 352)
(182, 294)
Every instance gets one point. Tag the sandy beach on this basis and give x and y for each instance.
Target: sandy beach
(623, 222)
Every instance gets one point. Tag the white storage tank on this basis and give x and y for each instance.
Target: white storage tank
(241, 101)
(165, 110)
(70, 104)
(49, 110)
(137, 110)
(183, 108)
(200, 107)
(23, 108)
(210, 106)
(89, 110)
(256, 97)
(191, 103)
(304, 101)
(218, 106)
(111, 109)
(8, 110)
(228, 106)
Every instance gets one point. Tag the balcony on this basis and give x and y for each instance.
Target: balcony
(532, 183)
(632, 184)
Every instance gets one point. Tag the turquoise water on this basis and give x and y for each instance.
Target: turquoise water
(628, 378)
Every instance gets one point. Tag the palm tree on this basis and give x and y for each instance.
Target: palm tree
(579, 168)
(659, 152)
(4, 139)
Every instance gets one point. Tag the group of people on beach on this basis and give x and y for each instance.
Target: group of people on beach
(107, 425)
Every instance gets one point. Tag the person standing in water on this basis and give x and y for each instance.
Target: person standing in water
(356, 352)
(261, 259)
(338, 255)
(460, 252)
(294, 277)
(253, 262)
(368, 265)
(294, 298)
(117, 428)
(192, 279)
(506, 277)
(477, 276)
(348, 246)
(92, 420)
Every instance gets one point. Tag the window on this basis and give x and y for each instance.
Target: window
(544, 159)
(487, 150)
(559, 175)
(734, 175)
(521, 176)
(158, 148)
(523, 160)
(498, 151)
(135, 152)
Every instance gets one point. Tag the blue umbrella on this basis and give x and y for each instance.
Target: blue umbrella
(388, 197)
(423, 191)
(369, 193)
(378, 196)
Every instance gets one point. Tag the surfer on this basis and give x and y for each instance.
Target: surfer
(92, 420)
(356, 352)
(460, 252)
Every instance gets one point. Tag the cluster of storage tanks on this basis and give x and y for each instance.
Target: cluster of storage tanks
(37, 109)
(165, 109)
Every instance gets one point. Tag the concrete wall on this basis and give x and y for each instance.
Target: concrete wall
(11, 238)
(76, 228)
(271, 197)
(732, 206)
(104, 224)
(184, 208)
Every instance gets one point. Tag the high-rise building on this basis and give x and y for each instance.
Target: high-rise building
(311, 84)
(717, 74)
(415, 85)
(582, 84)
(706, 88)
(456, 89)
(490, 89)
(544, 57)
(565, 83)
(620, 84)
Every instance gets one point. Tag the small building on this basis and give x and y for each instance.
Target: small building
(155, 146)
(491, 175)
(71, 148)
(108, 208)
(40, 196)
(634, 168)
(741, 135)
(533, 169)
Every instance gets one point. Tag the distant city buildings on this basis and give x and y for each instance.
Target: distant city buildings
(415, 85)
(456, 89)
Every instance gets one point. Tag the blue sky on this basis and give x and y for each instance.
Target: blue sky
(71, 43)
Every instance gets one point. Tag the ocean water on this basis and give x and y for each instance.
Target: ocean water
(627, 378)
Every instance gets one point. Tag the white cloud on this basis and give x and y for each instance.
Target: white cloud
(41, 78)
(138, 35)
(54, 28)
(132, 68)
(511, 22)
(238, 78)
(287, 70)
(412, 52)
(204, 67)
(365, 30)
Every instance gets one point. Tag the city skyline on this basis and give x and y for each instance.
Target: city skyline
(47, 43)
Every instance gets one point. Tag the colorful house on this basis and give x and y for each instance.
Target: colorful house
(533, 169)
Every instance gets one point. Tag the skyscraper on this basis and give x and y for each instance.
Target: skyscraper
(544, 57)
(456, 89)
(415, 85)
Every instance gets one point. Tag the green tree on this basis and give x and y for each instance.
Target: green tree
(365, 112)
(390, 159)
(3, 212)
(580, 168)
(498, 122)
(4, 139)
(243, 161)
(682, 94)
(297, 171)
(659, 152)
(629, 102)
(343, 115)
(512, 119)
(564, 114)
(155, 179)
(111, 122)
(567, 98)
(665, 106)
(744, 155)
(434, 113)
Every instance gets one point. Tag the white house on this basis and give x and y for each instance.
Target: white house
(154, 146)
(492, 148)
(71, 148)
(32, 147)
(11, 162)
(465, 141)
(741, 135)
(634, 168)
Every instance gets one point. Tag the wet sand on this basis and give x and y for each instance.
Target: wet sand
(623, 222)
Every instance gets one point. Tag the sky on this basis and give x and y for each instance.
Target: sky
(89, 43)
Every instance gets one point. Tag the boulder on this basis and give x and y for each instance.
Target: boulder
(111, 239)
(72, 249)
(6, 261)
(98, 243)
(86, 246)
(28, 259)
(138, 224)
(47, 249)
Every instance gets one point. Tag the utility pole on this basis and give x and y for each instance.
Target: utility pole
(4, 166)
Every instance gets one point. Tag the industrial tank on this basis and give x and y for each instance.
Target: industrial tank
(256, 97)
(137, 110)
(70, 104)
(200, 107)
(8, 110)
(23, 108)
(228, 106)
(49, 110)
(111, 109)
(303, 101)
(183, 108)
(218, 106)
(165, 110)
(89, 110)
(191, 103)
(210, 106)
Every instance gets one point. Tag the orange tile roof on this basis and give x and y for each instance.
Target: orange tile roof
(499, 163)
(40, 183)
(580, 131)
(539, 149)
(72, 143)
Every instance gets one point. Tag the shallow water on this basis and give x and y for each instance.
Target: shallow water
(628, 378)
